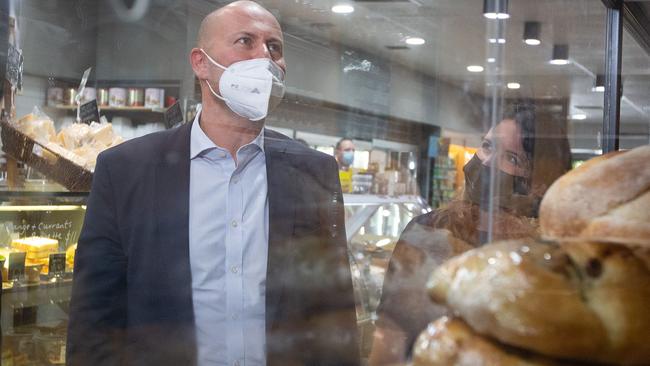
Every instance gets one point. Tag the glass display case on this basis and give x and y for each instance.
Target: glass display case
(38, 238)
(522, 93)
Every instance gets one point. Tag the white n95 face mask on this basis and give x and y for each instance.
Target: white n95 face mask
(250, 88)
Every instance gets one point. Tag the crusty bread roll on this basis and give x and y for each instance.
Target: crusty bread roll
(450, 342)
(577, 300)
(605, 199)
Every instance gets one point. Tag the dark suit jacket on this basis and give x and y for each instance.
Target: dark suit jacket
(132, 293)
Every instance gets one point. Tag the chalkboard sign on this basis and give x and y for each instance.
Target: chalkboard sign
(14, 67)
(89, 112)
(173, 115)
(56, 264)
(16, 270)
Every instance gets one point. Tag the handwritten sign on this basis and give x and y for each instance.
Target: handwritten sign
(56, 264)
(173, 115)
(89, 112)
(16, 270)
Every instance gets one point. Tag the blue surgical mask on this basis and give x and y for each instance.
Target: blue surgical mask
(348, 157)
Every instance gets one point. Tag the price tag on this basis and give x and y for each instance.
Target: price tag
(89, 112)
(14, 66)
(16, 270)
(56, 264)
(82, 85)
(173, 115)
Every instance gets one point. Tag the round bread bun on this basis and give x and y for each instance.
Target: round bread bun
(450, 342)
(605, 199)
(577, 300)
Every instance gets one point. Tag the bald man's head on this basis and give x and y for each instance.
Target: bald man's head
(219, 18)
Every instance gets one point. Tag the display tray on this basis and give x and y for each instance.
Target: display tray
(57, 168)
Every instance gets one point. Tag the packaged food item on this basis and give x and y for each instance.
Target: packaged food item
(117, 97)
(102, 97)
(37, 125)
(36, 247)
(154, 98)
(135, 97)
(69, 256)
(54, 96)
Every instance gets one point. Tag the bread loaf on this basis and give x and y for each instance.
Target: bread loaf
(578, 300)
(450, 342)
(605, 199)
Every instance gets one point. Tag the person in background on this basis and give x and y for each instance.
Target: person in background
(527, 155)
(344, 153)
(218, 242)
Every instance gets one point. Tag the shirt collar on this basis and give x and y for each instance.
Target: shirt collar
(200, 142)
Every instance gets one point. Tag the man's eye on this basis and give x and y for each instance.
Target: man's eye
(246, 41)
(274, 47)
(486, 146)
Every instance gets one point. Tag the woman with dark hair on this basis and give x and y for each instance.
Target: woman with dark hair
(504, 182)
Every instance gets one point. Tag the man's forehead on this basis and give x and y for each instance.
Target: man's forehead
(249, 19)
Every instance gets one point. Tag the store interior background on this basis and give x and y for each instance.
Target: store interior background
(353, 75)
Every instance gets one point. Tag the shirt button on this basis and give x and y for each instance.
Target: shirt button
(234, 223)
(234, 269)
(236, 363)
(235, 316)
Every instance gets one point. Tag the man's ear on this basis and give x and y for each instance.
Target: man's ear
(199, 64)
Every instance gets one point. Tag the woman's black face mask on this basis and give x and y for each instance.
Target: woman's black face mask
(511, 192)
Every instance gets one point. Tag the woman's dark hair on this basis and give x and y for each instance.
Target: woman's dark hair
(525, 118)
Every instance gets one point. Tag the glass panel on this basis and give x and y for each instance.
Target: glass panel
(635, 109)
(400, 134)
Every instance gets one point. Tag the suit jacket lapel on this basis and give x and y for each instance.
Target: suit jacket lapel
(172, 211)
(281, 222)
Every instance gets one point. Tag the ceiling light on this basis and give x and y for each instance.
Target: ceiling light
(475, 68)
(415, 41)
(495, 9)
(579, 116)
(342, 9)
(491, 60)
(497, 40)
(560, 54)
(514, 85)
(599, 85)
(532, 31)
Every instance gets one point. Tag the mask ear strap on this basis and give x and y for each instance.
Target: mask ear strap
(212, 90)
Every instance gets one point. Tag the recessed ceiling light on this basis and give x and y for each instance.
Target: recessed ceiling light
(497, 40)
(415, 41)
(560, 54)
(598, 89)
(532, 31)
(514, 85)
(491, 60)
(579, 116)
(342, 9)
(495, 9)
(475, 68)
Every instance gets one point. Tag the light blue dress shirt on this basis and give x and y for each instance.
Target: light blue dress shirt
(229, 225)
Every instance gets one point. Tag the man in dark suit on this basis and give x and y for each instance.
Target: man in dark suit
(219, 242)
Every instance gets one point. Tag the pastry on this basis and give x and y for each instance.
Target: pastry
(606, 199)
(450, 342)
(578, 300)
